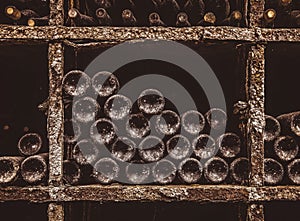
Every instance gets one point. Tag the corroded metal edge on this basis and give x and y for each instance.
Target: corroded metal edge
(154, 193)
(120, 34)
(33, 194)
(256, 12)
(55, 113)
(56, 12)
(168, 193)
(55, 212)
(256, 99)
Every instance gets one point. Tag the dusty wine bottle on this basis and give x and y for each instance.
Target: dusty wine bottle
(103, 17)
(151, 149)
(239, 169)
(294, 171)
(76, 83)
(151, 101)
(272, 128)
(229, 145)
(13, 13)
(204, 146)
(216, 170)
(286, 148)
(75, 18)
(209, 19)
(85, 152)
(168, 123)
(117, 107)
(85, 109)
(164, 172)
(105, 83)
(190, 170)
(9, 169)
(216, 118)
(71, 172)
(234, 19)
(123, 149)
(103, 131)
(178, 147)
(273, 171)
(269, 17)
(34, 168)
(290, 123)
(193, 122)
(154, 20)
(138, 126)
(106, 170)
(30, 144)
(182, 20)
(221, 8)
(137, 172)
(128, 18)
(40, 21)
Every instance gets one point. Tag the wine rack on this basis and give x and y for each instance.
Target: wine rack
(254, 200)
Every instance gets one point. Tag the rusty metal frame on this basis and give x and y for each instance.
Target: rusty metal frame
(57, 35)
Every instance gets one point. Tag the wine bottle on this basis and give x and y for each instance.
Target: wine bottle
(137, 172)
(229, 145)
(182, 20)
(269, 17)
(290, 123)
(20, 17)
(221, 8)
(164, 172)
(41, 21)
(75, 18)
(167, 123)
(294, 171)
(190, 170)
(273, 171)
(85, 152)
(106, 170)
(234, 19)
(71, 172)
(217, 119)
(204, 146)
(123, 149)
(30, 144)
(103, 17)
(151, 101)
(193, 122)
(13, 13)
(286, 148)
(154, 20)
(151, 149)
(240, 170)
(9, 169)
(178, 147)
(128, 18)
(272, 128)
(216, 170)
(34, 168)
(209, 19)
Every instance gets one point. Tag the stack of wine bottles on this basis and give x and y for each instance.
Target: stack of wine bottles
(177, 13)
(31, 166)
(282, 13)
(24, 12)
(109, 138)
(282, 158)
